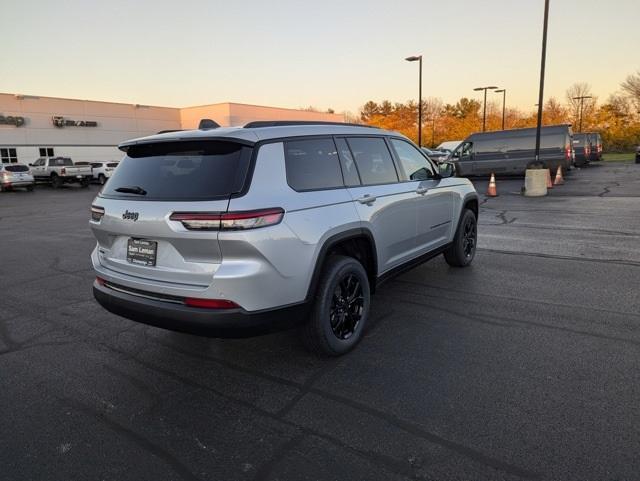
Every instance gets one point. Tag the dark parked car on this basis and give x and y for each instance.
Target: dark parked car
(582, 148)
(596, 146)
(638, 154)
(513, 151)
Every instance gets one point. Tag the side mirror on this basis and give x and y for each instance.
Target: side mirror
(447, 169)
(30, 165)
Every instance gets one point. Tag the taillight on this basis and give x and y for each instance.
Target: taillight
(96, 213)
(252, 219)
(568, 152)
(210, 303)
(63, 171)
(587, 150)
(100, 281)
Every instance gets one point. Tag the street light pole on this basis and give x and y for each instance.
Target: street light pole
(581, 99)
(419, 59)
(504, 100)
(484, 108)
(542, 65)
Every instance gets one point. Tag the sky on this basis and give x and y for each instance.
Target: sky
(326, 54)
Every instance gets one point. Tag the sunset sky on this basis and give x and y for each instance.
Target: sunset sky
(329, 53)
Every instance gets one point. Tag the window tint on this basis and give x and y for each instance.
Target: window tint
(373, 159)
(312, 164)
(17, 168)
(414, 164)
(60, 162)
(188, 170)
(349, 169)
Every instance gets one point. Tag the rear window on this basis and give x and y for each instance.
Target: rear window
(60, 162)
(312, 164)
(17, 168)
(188, 170)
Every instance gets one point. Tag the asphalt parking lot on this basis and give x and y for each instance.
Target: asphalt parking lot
(523, 366)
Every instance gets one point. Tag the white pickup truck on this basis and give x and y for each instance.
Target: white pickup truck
(60, 170)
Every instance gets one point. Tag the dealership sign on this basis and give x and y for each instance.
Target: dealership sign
(12, 120)
(62, 122)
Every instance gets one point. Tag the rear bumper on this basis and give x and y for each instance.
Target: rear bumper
(223, 323)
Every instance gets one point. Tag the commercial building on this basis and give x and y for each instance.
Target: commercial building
(85, 130)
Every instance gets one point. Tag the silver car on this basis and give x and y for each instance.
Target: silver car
(233, 232)
(15, 176)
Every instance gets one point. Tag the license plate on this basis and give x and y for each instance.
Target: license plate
(142, 252)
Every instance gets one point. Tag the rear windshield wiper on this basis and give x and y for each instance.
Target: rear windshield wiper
(131, 190)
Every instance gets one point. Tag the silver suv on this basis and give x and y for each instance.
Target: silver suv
(231, 232)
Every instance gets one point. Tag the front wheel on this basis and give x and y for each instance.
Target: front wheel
(341, 308)
(102, 179)
(56, 182)
(463, 248)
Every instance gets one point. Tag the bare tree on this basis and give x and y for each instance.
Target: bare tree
(577, 90)
(631, 87)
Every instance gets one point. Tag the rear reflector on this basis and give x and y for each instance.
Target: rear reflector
(210, 303)
(96, 213)
(252, 219)
(100, 281)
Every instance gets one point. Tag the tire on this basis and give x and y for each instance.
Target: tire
(56, 181)
(324, 337)
(84, 183)
(461, 254)
(30, 188)
(102, 179)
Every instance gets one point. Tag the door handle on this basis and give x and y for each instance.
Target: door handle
(422, 190)
(367, 199)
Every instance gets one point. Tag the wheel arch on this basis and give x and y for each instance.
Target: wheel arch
(357, 243)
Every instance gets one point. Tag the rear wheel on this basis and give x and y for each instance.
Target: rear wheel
(56, 181)
(30, 188)
(102, 179)
(341, 308)
(84, 182)
(463, 248)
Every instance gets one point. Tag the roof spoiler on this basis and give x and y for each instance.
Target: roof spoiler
(207, 124)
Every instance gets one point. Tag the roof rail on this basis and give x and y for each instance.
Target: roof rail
(167, 131)
(283, 123)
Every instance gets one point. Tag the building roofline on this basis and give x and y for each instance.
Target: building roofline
(34, 96)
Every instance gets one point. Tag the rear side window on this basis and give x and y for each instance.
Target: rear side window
(312, 164)
(60, 162)
(17, 168)
(181, 171)
(373, 159)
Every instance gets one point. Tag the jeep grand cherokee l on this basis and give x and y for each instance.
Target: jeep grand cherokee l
(233, 232)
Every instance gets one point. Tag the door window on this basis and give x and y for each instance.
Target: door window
(466, 151)
(414, 164)
(373, 160)
(312, 164)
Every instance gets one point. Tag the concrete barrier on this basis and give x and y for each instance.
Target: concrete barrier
(535, 182)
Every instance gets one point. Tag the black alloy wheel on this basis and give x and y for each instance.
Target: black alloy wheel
(347, 306)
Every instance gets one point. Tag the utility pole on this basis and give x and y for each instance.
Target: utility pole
(581, 99)
(542, 65)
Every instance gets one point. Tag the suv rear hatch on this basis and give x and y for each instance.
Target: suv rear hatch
(131, 218)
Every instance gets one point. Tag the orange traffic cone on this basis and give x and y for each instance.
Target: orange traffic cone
(549, 183)
(559, 180)
(492, 191)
